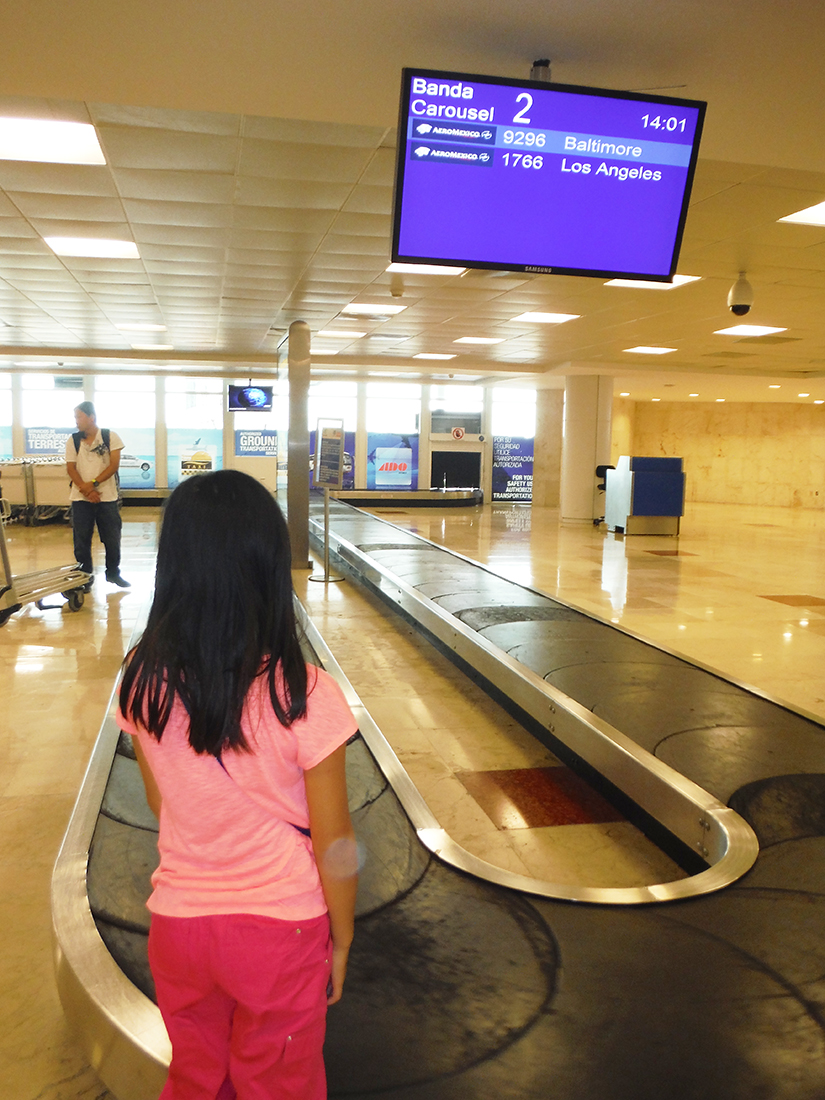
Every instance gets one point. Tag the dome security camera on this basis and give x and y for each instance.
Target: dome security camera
(740, 296)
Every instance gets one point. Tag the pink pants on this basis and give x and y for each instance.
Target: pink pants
(244, 1001)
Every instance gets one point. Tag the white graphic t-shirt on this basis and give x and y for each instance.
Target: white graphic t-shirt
(91, 460)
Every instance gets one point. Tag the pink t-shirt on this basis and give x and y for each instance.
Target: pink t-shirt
(228, 842)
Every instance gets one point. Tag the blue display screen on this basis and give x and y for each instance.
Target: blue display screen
(528, 176)
(250, 399)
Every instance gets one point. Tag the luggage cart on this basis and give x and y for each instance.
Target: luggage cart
(68, 580)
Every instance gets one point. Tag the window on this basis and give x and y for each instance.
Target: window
(194, 422)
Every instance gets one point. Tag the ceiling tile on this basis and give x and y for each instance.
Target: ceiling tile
(166, 150)
(67, 207)
(141, 183)
(145, 212)
(292, 161)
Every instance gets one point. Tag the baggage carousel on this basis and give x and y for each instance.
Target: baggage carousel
(467, 982)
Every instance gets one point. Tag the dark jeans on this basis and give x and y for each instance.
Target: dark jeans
(107, 517)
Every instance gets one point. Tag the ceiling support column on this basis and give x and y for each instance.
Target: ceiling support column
(588, 411)
(297, 486)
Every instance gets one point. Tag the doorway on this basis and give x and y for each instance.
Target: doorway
(456, 470)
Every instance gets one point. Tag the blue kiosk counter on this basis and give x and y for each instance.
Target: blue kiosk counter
(645, 496)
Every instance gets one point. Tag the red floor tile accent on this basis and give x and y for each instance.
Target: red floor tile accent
(531, 798)
(797, 601)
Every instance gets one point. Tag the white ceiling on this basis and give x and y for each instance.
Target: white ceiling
(280, 211)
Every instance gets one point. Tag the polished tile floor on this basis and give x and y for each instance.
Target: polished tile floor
(743, 593)
(741, 590)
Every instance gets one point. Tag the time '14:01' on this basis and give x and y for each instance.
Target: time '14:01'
(657, 122)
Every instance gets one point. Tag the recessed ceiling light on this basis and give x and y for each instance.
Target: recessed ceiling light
(625, 394)
(49, 142)
(340, 334)
(719, 400)
(547, 318)
(693, 395)
(432, 355)
(803, 395)
(426, 269)
(479, 340)
(153, 347)
(774, 387)
(371, 309)
(93, 247)
(142, 328)
(642, 284)
(819, 402)
(641, 350)
(747, 330)
(811, 215)
(655, 399)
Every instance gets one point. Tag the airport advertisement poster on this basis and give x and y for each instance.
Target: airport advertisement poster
(193, 452)
(137, 459)
(5, 441)
(47, 441)
(512, 468)
(392, 461)
(256, 444)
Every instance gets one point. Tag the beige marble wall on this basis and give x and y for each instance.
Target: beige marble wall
(547, 448)
(739, 453)
(624, 412)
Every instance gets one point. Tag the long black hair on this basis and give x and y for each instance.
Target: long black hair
(222, 614)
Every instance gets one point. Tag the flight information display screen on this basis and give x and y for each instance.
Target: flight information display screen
(538, 177)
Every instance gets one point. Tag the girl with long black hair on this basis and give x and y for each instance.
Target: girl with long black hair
(241, 746)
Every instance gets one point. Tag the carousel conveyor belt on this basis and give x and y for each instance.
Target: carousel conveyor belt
(468, 984)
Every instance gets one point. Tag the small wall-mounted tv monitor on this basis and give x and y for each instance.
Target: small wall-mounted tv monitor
(541, 177)
(250, 398)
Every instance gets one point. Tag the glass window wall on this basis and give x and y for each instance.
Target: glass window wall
(126, 404)
(48, 404)
(336, 400)
(514, 429)
(194, 422)
(393, 418)
(6, 450)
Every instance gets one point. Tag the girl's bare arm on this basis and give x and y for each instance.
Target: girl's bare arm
(333, 840)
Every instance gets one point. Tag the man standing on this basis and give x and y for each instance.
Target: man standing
(92, 459)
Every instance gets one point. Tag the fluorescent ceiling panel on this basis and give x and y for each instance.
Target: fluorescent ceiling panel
(547, 318)
(96, 247)
(368, 309)
(811, 215)
(425, 269)
(49, 142)
(748, 330)
(642, 284)
(649, 350)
